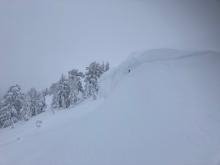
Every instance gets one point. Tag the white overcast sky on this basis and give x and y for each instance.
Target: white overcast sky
(40, 39)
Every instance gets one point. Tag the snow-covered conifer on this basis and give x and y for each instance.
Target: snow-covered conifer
(93, 72)
(11, 106)
(75, 83)
(61, 94)
(106, 67)
(35, 102)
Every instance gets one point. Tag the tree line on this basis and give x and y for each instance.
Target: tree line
(71, 89)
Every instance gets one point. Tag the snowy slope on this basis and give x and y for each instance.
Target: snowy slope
(166, 111)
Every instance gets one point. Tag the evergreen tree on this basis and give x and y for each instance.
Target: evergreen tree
(11, 106)
(106, 67)
(45, 92)
(75, 83)
(93, 72)
(61, 94)
(35, 102)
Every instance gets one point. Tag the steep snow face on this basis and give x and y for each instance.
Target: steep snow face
(165, 110)
(110, 80)
(171, 109)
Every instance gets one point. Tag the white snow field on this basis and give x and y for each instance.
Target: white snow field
(165, 111)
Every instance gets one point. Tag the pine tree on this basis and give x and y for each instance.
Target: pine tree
(106, 67)
(35, 102)
(93, 72)
(45, 92)
(61, 94)
(11, 106)
(75, 83)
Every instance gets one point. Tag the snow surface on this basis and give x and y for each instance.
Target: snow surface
(165, 111)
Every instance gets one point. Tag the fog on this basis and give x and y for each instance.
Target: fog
(40, 39)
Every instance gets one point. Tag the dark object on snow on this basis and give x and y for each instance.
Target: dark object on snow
(38, 123)
(129, 70)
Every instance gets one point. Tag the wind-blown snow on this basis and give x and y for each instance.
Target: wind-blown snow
(165, 111)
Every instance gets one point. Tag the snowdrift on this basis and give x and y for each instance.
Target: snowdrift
(160, 107)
